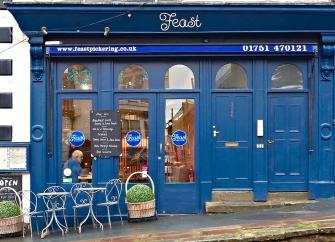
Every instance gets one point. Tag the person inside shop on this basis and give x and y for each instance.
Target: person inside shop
(74, 165)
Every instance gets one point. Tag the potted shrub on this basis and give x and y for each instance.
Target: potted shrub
(140, 200)
(11, 220)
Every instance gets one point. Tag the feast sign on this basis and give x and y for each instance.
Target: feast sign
(171, 20)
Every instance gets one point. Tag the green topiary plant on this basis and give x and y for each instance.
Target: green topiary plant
(9, 209)
(140, 193)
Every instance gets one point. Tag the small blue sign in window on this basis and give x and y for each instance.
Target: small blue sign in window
(77, 138)
(179, 138)
(133, 138)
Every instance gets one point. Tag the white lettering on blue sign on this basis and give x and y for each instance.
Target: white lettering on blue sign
(77, 138)
(275, 48)
(133, 138)
(179, 138)
(171, 20)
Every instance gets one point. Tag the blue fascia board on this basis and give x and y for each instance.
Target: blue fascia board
(67, 19)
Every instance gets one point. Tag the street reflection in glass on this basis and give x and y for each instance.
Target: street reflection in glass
(179, 140)
(135, 143)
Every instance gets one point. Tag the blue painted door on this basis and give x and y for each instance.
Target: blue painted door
(287, 141)
(287, 124)
(231, 133)
(177, 153)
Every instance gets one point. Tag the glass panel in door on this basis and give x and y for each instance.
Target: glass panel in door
(76, 144)
(135, 139)
(179, 140)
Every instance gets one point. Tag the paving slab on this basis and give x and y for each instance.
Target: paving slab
(196, 227)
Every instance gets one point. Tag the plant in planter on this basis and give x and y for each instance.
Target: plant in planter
(10, 218)
(8, 209)
(140, 200)
(139, 194)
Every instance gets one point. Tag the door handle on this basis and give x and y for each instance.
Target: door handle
(160, 151)
(270, 141)
(215, 133)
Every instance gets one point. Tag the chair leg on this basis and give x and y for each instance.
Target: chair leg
(65, 220)
(109, 217)
(118, 205)
(37, 227)
(31, 227)
(74, 219)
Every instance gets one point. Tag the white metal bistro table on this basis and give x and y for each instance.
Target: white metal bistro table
(90, 192)
(53, 198)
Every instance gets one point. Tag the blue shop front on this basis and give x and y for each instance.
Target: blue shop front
(230, 98)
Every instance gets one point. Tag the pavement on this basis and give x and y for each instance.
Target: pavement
(309, 219)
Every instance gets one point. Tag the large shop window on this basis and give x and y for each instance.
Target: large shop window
(179, 140)
(76, 143)
(133, 77)
(287, 76)
(135, 138)
(231, 76)
(77, 77)
(179, 77)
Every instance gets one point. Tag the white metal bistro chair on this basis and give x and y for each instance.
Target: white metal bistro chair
(112, 197)
(59, 202)
(81, 199)
(32, 209)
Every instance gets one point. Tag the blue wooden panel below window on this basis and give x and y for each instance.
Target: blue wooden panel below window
(6, 133)
(6, 100)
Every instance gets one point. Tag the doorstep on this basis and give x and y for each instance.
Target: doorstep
(233, 207)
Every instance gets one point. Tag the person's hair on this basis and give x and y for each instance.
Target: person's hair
(76, 154)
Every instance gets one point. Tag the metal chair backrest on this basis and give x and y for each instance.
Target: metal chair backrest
(113, 190)
(80, 197)
(32, 198)
(56, 200)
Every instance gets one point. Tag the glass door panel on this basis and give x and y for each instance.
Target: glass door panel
(179, 140)
(76, 143)
(135, 138)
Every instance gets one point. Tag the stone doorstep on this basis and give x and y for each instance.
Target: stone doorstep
(276, 230)
(232, 196)
(232, 207)
(247, 196)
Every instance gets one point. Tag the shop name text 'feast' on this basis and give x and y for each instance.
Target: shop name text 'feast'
(171, 20)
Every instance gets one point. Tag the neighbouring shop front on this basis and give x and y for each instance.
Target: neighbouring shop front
(209, 98)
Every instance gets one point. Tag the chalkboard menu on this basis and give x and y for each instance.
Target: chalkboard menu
(13, 181)
(105, 133)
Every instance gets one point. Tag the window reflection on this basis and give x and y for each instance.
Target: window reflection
(287, 76)
(179, 140)
(76, 143)
(135, 140)
(179, 77)
(77, 76)
(231, 76)
(133, 77)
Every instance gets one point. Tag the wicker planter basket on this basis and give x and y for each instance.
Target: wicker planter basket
(11, 225)
(143, 209)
